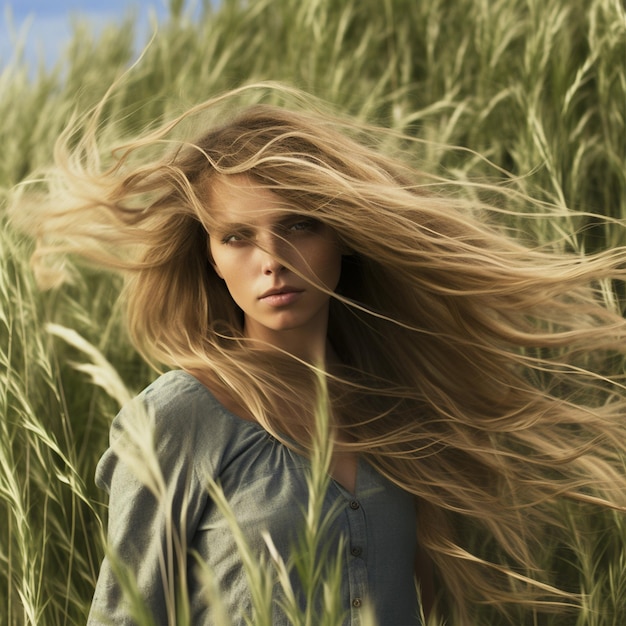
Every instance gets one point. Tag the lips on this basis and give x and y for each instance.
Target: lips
(276, 291)
(281, 296)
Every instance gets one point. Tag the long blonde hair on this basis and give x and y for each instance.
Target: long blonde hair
(477, 373)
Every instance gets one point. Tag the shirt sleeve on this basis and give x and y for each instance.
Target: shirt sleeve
(155, 501)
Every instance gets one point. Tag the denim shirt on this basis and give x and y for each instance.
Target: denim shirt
(264, 483)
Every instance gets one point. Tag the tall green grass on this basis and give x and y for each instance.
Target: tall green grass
(537, 86)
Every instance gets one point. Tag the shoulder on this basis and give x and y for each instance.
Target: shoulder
(177, 391)
(174, 417)
(175, 400)
(179, 406)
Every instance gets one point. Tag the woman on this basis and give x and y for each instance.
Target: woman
(468, 375)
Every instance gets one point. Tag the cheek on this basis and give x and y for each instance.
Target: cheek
(327, 265)
(231, 280)
(230, 268)
(228, 271)
(336, 271)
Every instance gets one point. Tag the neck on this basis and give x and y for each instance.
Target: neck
(311, 349)
(309, 344)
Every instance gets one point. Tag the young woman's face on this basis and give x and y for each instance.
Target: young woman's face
(256, 238)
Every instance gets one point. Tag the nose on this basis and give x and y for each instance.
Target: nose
(270, 251)
(271, 265)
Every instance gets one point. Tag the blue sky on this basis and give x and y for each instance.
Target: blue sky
(44, 26)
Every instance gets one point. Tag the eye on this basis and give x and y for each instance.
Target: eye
(303, 225)
(299, 225)
(235, 238)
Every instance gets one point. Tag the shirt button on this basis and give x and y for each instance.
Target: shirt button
(354, 505)
(356, 603)
(356, 551)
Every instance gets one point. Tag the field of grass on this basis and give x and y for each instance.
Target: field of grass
(536, 86)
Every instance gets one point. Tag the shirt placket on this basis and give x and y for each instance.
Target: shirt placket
(357, 555)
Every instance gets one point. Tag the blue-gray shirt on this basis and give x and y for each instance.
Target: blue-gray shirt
(264, 482)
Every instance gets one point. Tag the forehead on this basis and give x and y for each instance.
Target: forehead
(239, 198)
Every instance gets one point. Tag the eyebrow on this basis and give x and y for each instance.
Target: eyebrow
(224, 227)
(228, 226)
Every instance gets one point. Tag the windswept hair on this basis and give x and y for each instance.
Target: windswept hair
(479, 373)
